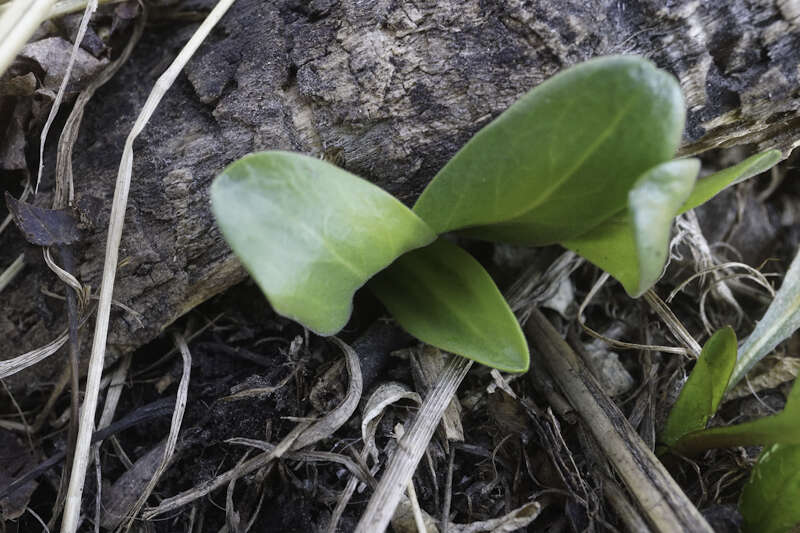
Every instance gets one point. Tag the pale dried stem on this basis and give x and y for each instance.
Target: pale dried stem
(306, 432)
(91, 7)
(660, 499)
(411, 447)
(174, 431)
(672, 322)
(613, 342)
(419, 521)
(82, 451)
(8, 275)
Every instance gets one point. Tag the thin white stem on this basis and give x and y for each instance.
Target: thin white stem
(91, 7)
(411, 447)
(86, 426)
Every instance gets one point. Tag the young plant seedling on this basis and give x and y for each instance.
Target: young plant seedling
(768, 501)
(583, 160)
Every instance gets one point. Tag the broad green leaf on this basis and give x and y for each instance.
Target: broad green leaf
(782, 428)
(563, 157)
(310, 233)
(444, 297)
(632, 244)
(769, 499)
(709, 186)
(703, 391)
(780, 321)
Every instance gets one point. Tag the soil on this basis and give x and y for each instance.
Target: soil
(255, 374)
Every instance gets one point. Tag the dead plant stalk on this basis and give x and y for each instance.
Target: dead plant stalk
(86, 426)
(661, 500)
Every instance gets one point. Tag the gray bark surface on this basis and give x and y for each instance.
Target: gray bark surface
(389, 89)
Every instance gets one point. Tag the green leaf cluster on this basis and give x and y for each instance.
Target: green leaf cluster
(584, 160)
(768, 500)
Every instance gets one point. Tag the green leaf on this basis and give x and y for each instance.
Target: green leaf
(562, 158)
(444, 297)
(310, 233)
(769, 499)
(780, 321)
(703, 391)
(709, 186)
(782, 428)
(632, 245)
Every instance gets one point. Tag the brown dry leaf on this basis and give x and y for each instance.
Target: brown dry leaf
(507, 414)
(403, 520)
(44, 227)
(768, 375)
(52, 55)
(122, 496)
(23, 85)
(15, 460)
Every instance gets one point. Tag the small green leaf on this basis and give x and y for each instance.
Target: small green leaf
(709, 186)
(780, 321)
(769, 499)
(563, 157)
(632, 244)
(444, 297)
(782, 428)
(703, 391)
(310, 233)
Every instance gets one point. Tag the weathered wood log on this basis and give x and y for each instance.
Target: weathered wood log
(389, 90)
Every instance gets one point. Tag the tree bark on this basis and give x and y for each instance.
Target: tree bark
(389, 89)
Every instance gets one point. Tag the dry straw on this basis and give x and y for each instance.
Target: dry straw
(83, 446)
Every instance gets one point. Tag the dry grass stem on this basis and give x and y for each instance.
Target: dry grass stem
(344, 498)
(613, 342)
(672, 322)
(534, 287)
(91, 7)
(174, 431)
(83, 293)
(64, 190)
(412, 497)
(689, 226)
(750, 273)
(257, 462)
(385, 395)
(312, 456)
(411, 447)
(114, 393)
(516, 520)
(21, 362)
(117, 218)
(8, 275)
(662, 501)
(326, 426)
(307, 432)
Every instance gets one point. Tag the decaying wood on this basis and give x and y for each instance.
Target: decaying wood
(387, 89)
(658, 496)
